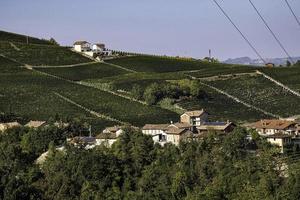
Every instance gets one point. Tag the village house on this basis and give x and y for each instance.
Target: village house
(195, 118)
(220, 127)
(157, 131)
(109, 136)
(8, 125)
(82, 46)
(280, 140)
(274, 126)
(192, 125)
(282, 133)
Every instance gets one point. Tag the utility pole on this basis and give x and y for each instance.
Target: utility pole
(27, 39)
(209, 53)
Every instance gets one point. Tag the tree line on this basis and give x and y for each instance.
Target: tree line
(216, 167)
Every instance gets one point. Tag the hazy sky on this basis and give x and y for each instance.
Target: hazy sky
(172, 27)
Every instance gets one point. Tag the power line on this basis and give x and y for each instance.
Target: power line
(292, 11)
(237, 28)
(273, 34)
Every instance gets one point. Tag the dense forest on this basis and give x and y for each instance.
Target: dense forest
(216, 167)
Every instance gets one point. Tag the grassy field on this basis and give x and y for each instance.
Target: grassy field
(13, 37)
(36, 54)
(89, 71)
(289, 76)
(164, 64)
(262, 93)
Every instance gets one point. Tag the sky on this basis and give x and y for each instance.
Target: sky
(165, 27)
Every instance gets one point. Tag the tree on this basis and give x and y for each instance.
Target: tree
(288, 63)
(137, 92)
(53, 41)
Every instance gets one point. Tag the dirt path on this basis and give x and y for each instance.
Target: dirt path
(14, 46)
(120, 67)
(237, 99)
(66, 66)
(92, 112)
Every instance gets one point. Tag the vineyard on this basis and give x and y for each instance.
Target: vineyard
(36, 54)
(262, 93)
(289, 76)
(89, 71)
(221, 108)
(164, 64)
(99, 87)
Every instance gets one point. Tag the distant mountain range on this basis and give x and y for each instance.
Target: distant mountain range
(249, 61)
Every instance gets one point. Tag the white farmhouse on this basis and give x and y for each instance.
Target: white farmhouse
(109, 136)
(82, 46)
(98, 48)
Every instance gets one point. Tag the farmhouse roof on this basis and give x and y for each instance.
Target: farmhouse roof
(80, 42)
(10, 125)
(181, 125)
(156, 127)
(175, 131)
(112, 129)
(218, 126)
(108, 136)
(100, 45)
(273, 124)
(35, 124)
(195, 113)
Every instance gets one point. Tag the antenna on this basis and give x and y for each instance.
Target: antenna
(90, 130)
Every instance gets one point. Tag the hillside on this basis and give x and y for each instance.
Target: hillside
(14, 37)
(61, 82)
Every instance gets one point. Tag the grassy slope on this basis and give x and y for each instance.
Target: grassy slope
(90, 71)
(262, 93)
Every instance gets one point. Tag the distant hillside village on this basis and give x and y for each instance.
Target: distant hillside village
(193, 125)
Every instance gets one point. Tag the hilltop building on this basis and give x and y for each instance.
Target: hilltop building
(82, 46)
(97, 50)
